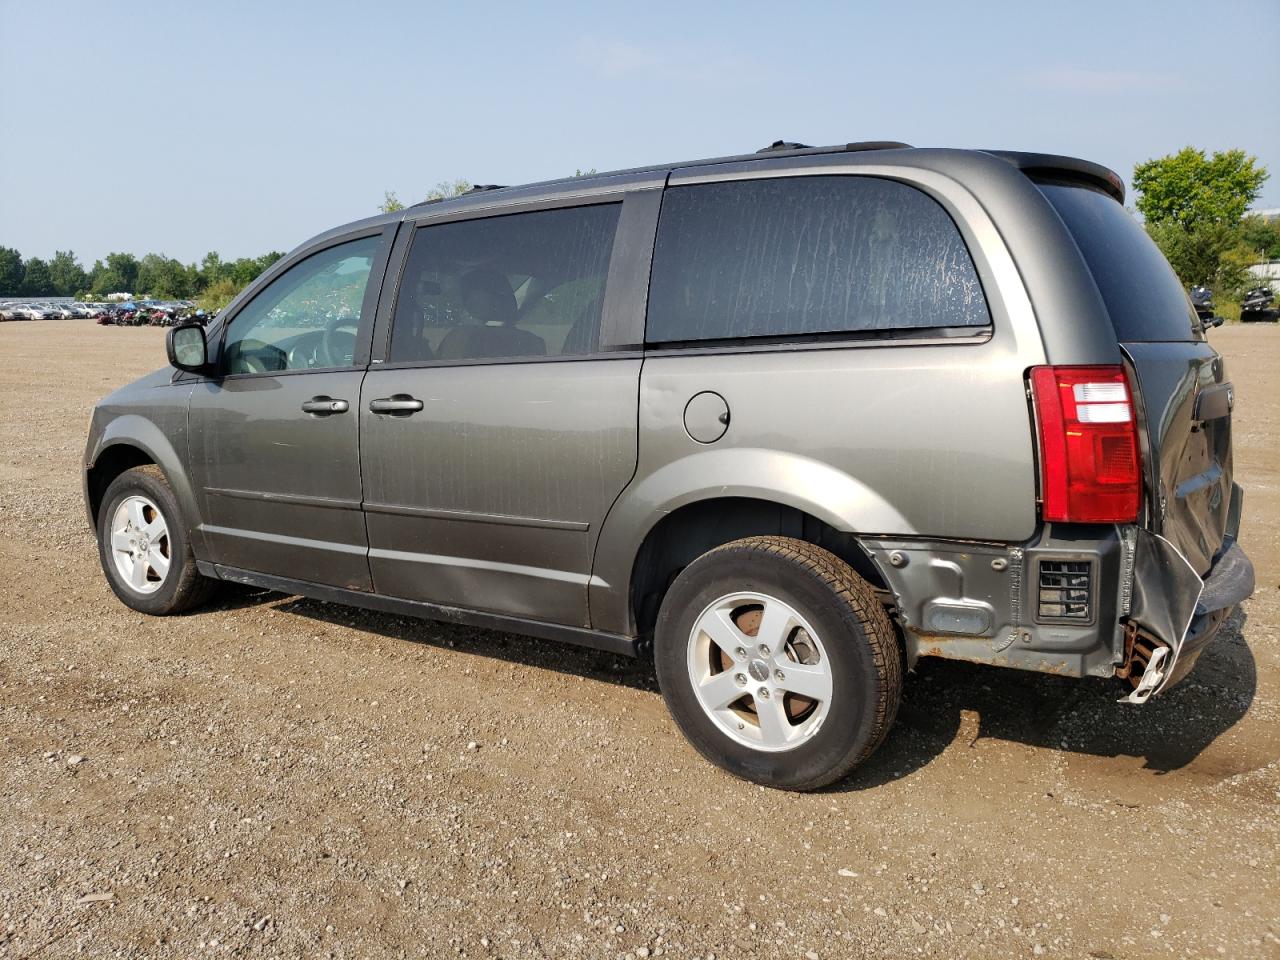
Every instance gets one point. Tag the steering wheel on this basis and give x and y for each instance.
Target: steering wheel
(337, 346)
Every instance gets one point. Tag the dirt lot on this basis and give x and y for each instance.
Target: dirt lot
(278, 777)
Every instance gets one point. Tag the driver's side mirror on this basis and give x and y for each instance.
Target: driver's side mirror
(187, 348)
(1208, 323)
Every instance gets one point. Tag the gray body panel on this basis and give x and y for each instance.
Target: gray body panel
(925, 438)
(492, 495)
(280, 488)
(148, 415)
(1189, 447)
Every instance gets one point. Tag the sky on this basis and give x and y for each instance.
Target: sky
(183, 127)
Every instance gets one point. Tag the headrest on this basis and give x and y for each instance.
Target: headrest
(487, 296)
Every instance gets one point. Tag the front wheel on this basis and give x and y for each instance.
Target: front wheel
(143, 545)
(777, 662)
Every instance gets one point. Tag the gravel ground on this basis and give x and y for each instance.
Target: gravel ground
(278, 777)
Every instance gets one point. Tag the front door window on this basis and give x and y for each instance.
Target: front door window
(307, 318)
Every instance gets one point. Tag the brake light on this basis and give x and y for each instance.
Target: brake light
(1090, 470)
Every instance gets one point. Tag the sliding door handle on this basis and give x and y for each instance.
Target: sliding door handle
(400, 405)
(325, 406)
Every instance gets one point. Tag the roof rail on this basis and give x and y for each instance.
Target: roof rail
(877, 145)
(784, 145)
(781, 146)
(478, 188)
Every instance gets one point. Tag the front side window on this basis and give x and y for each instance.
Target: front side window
(307, 318)
(812, 255)
(520, 285)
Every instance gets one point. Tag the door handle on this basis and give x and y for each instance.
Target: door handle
(400, 405)
(324, 406)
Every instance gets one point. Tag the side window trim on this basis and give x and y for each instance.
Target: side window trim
(626, 292)
(621, 323)
(368, 305)
(398, 257)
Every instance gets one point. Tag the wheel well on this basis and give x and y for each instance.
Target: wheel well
(685, 534)
(112, 462)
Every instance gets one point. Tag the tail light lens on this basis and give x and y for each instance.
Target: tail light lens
(1089, 463)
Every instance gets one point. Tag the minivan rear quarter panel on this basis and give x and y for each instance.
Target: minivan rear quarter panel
(908, 437)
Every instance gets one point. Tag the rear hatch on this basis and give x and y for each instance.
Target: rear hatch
(1183, 394)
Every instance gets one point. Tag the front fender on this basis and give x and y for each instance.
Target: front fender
(166, 447)
(816, 488)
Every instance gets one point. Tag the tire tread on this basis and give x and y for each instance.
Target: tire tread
(857, 602)
(193, 588)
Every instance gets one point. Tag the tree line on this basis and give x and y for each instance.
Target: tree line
(212, 282)
(1195, 207)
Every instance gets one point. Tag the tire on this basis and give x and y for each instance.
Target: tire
(181, 586)
(828, 619)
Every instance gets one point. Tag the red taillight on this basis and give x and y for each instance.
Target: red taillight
(1090, 470)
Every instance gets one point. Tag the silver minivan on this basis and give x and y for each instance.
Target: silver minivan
(785, 422)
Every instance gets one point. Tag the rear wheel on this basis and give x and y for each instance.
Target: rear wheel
(143, 545)
(778, 662)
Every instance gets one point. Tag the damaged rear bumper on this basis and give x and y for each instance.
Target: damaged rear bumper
(1078, 600)
(1174, 613)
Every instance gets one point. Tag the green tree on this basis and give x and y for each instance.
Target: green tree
(103, 281)
(443, 190)
(1262, 236)
(212, 269)
(164, 277)
(36, 280)
(446, 189)
(247, 269)
(1192, 190)
(1193, 206)
(69, 278)
(217, 294)
(123, 266)
(1214, 255)
(11, 272)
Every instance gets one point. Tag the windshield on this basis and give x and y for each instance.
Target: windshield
(1143, 295)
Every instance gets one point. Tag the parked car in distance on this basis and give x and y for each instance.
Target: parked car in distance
(31, 311)
(786, 421)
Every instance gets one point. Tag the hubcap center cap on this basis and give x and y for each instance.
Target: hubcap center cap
(759, 670)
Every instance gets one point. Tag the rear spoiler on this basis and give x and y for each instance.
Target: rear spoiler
(1048, 166)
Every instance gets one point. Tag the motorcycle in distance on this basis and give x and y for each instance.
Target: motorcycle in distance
(1258, 306)
(1206, 310)
(1202, 300)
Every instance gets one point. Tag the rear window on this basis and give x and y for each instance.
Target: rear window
(808, 256)
(1142, 294)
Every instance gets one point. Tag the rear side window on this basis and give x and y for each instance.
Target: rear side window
(801, 256)
(1142, 294)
